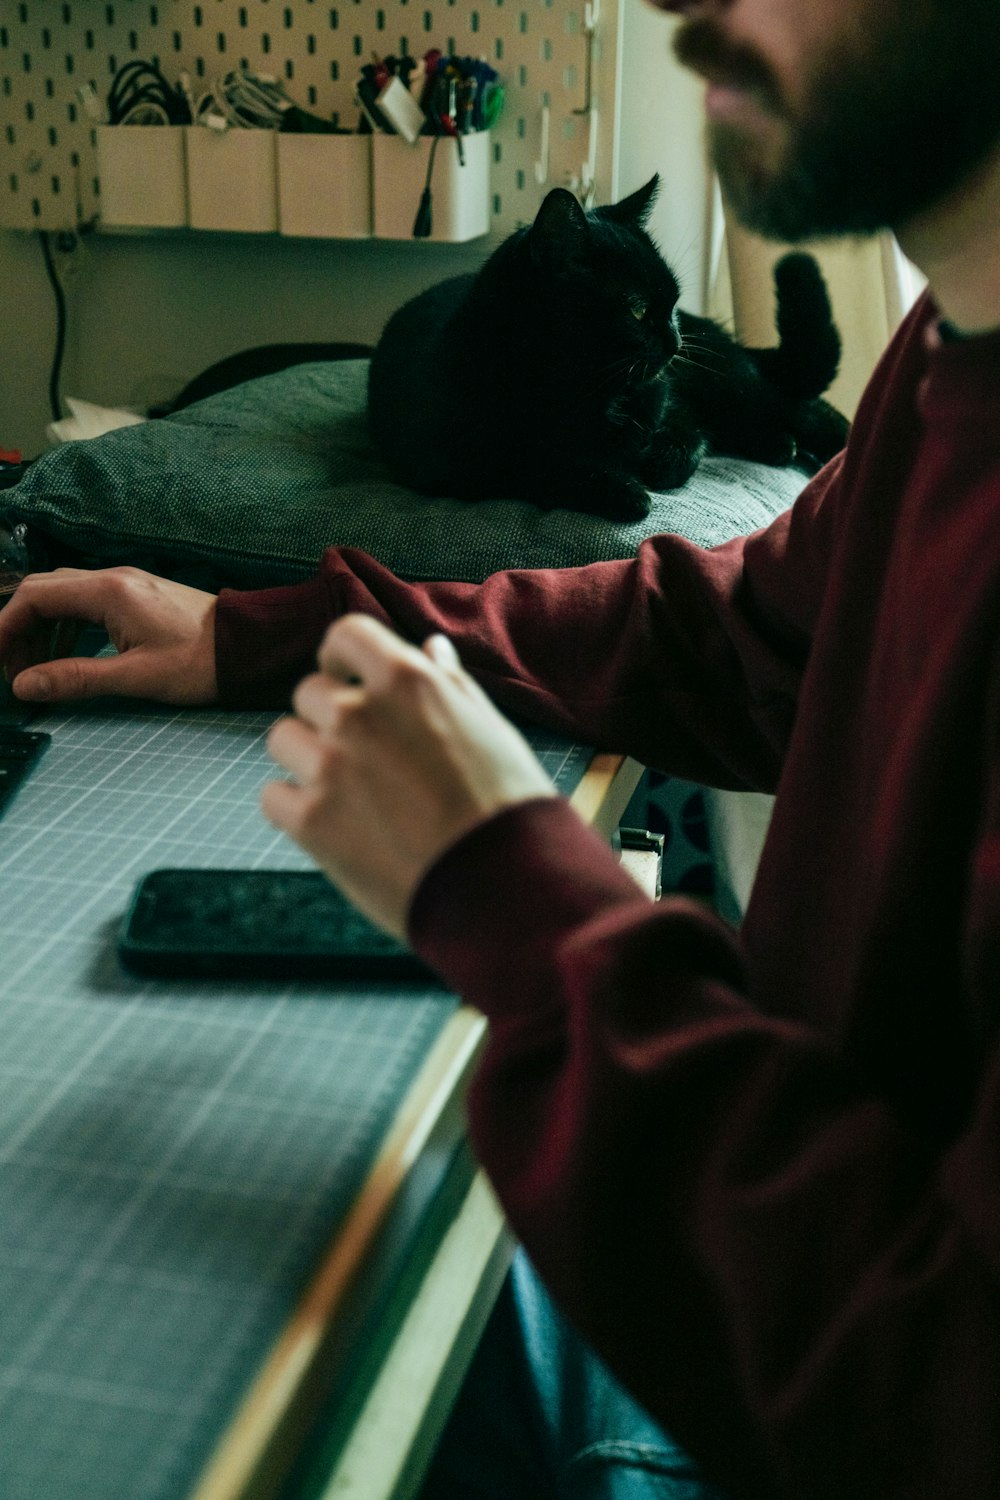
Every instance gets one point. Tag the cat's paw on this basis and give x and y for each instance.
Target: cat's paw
(774, 448)
(667, 464)
(619, 498)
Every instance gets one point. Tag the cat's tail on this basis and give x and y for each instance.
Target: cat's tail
(807, 358)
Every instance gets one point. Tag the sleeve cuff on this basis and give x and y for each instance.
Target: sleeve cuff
(492, 913)
(266, 641)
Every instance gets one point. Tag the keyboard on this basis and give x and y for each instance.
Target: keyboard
(20, 750)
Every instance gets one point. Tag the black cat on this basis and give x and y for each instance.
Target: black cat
(565, 374)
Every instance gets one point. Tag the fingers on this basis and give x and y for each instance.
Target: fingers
(81, 677)
(441, 651)
(280, 803)
(396, 754)
(296, 747)
(322, 701)
(357, 649)
(164, 634)
(65, 595)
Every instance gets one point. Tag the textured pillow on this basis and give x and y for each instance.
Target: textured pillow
(249, 486)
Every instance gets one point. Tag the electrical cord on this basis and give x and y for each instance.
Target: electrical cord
(246, 100)
(60, 344)
(140, 95)
(424, 222)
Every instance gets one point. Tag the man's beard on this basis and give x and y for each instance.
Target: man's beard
(891, 124)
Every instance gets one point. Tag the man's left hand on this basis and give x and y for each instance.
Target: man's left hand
(395, 753)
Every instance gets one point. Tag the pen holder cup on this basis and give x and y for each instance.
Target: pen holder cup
(460, 195)
(232, 179)
(325, 185)
(141, 169)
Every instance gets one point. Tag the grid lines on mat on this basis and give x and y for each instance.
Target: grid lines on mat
(174, 1156)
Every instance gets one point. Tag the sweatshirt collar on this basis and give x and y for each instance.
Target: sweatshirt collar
(962, 373)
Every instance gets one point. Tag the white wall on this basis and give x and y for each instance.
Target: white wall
(147, 313)
(661, 129)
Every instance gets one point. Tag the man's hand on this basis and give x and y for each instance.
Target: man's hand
(395, 753)
(164, 633)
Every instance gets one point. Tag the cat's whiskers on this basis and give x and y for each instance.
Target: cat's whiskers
(624, 371)
(680, 359)
(698, 347)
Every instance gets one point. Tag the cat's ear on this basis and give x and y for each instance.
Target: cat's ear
(560, 235)
(634, 209)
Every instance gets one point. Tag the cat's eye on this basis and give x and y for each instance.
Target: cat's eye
(637, 308)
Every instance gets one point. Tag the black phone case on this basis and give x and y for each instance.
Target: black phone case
(282, 924)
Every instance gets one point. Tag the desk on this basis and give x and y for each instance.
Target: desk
(224, 1209)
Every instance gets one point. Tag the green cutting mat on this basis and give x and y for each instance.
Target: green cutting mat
(173, 1156)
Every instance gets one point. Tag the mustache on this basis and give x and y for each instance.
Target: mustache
(699, 45)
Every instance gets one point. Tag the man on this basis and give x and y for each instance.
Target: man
(761, 1174)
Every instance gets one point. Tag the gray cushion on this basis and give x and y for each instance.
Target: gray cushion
(250, 485)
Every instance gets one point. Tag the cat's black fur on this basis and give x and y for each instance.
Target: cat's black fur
(564, 373)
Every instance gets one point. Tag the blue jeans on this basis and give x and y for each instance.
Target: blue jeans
(541, 1418)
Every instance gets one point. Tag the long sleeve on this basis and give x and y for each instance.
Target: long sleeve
(760, 1172)
(802, 1289)
(686, 658)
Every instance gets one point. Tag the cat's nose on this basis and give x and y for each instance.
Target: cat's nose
(672, 341)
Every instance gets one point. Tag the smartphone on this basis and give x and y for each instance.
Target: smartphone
(275, 924)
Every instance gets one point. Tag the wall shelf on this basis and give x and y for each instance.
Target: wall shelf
(48, 169)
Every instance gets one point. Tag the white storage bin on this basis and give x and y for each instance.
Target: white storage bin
(325, 185)
(142, 174)
(460, 195)
(232, 179)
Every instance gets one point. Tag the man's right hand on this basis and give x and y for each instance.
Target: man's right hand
(164, 633)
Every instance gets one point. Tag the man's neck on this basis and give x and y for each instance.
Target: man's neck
(957, 247)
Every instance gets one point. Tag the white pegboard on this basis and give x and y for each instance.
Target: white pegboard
(49, 48)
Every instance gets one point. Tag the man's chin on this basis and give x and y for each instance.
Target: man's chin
(754, 191)
(778, 198)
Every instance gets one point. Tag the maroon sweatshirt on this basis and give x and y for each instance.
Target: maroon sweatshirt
(760, 1172)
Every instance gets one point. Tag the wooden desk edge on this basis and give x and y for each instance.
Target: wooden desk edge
(600, 798)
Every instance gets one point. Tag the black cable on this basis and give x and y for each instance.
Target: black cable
(139, 82)
(57, 356)
(424, 222)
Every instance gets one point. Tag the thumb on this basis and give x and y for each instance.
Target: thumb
(441, 651)
(77, 677)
